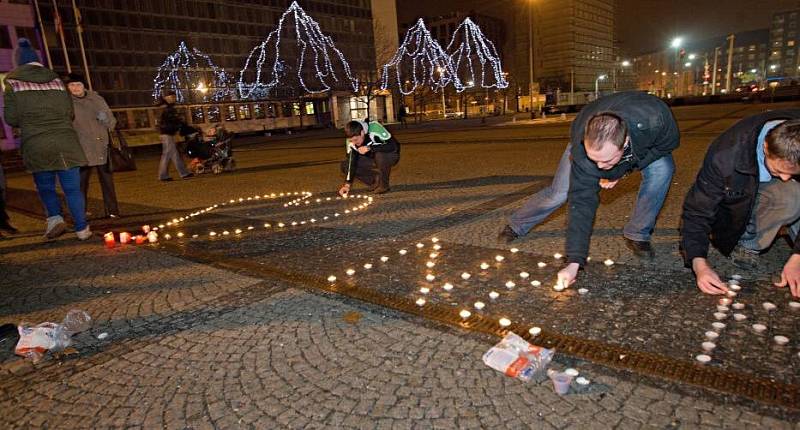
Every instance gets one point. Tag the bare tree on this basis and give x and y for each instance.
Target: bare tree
(370, 79)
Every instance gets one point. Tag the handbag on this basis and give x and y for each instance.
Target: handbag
(120, 156)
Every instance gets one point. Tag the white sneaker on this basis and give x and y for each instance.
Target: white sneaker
(84, 234)
(55, 227)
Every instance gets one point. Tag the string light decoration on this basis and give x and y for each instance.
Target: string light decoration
(191, 71)
(419, 62)
(469, 50)
(270, 67)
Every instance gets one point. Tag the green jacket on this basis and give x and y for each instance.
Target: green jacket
(37, 103)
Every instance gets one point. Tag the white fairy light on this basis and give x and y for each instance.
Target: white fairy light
(469, 50)
(184, 71)
(313, 47)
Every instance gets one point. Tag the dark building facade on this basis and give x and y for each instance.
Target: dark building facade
(126, 41)
(784, 58)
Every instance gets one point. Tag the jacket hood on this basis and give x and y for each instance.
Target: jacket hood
(32, 73)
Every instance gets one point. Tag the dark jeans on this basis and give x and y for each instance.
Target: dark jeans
(374, 171)
(106, 184)
(70, 184)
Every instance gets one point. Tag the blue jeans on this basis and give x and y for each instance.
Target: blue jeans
(71, 185)
(656, 179)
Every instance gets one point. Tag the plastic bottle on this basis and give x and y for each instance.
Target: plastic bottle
(76, 321)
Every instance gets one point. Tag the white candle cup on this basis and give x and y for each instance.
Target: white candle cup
(424, 290)
(152, 237)
(703, 358)
(331, 278)
(447, 286)
(535, 331)
(514, 250)
(433, 254)
(718, 325)
(738, 306)
(510, 284)
(583, 291)
(536, 283)
(402, 252)
(420, 245)
(464, 314)
(712, 335)
(368, 266)
(484, 266)
(350, 272)
(465, 276)
(499, 258)
(769, 306)
(504, 322)
(781, 340)
(722, 308)
(434, 239)
(609, 262)
(494, 295)
(794, 305)
(541, 264)
(558, 287)
(759, 328)
(384, 259)
(733, 282)
(725, 301)
(731, 293)
(708, 346)
(479, 305)
(720, 315)
(736, 277)
(437, 247)
(558, 256)
(430, 278)
(420, 301)
(572, 372)
(430, 264)
(735, 287)
(739, 317)
(582, 381)
(524, 275)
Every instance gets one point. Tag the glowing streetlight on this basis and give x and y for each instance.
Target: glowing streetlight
(626, 63)
(597, 85)
(202, 88)
(676, 42)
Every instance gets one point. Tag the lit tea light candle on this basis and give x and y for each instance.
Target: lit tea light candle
(737, 277)
(535, 331)
(734, 287)
(571, 372)
(733, 282)
(124, 237)
(739, 317)
(350, 272)
(195, 236)
(725, 301)
(420, 302)
(437, 247)
(759, 328)
(430, 277)
(738, 306)
(465, 276)
(499, 258)
(402, 252)
(731, 293)
(447, 286)
(493, 295)
(484, 266)
(510, 284)
(609, 262)
(720, 315)
(281, 225)
(541, 264)
(331, 278)
(152, 237)
(433, 254)
(703, 358)
(708, 346)
(479, 305)
(558, 256)
(420, 245)
(504, 322)
(267, 225)
(146, 228)
(514, 250)
(434, 239)
(225, 233)
(180, 234)
(524, 275)
(368, 266)
(558, 287)
(582, 381)
(430, 264)
(769, 306)
(238, 231)
(712, 335)
(536, 283)
(384, 259)
(108, 238)
(167, 236)
(140, 239)
(583, 291)
(718, 325)
(781, 340)
(722, 308)
(424, 290)
(464, 314)
(794, 305)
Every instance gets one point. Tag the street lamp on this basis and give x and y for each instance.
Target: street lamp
(530, 57)
(597, 85)
(676, 43)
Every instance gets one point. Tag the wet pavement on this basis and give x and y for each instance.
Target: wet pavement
(199, 336)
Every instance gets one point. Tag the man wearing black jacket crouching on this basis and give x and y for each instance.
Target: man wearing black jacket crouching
(746, 191)
(371, 153)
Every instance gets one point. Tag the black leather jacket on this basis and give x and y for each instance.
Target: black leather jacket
(718, 206)
(653, 134)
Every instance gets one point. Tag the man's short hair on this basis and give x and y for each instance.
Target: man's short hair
(783, 141)
(353, 128)
(605, 128)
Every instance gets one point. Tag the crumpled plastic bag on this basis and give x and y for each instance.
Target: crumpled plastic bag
(36, 340)
(517, 358)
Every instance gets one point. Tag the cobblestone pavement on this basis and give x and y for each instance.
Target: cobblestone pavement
(193, 345)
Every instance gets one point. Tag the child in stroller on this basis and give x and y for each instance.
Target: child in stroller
(210, 151)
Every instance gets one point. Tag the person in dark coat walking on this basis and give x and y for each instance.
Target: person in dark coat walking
(93, 121)
(169, 125)
(746, 191)
(611, 138)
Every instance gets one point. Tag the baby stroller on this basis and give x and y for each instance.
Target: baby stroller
(210, 151)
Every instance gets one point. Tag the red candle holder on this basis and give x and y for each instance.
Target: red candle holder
(108, 238)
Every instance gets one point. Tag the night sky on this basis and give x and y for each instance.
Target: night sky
(645, 25)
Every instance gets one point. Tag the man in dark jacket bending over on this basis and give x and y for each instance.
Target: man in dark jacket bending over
(371, 153)
(745, 192)
(611, 138)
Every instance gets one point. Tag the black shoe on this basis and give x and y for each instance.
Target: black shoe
(640, 249)
(190, 175)
(5, 227)
(166, 180)
(508, 235)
